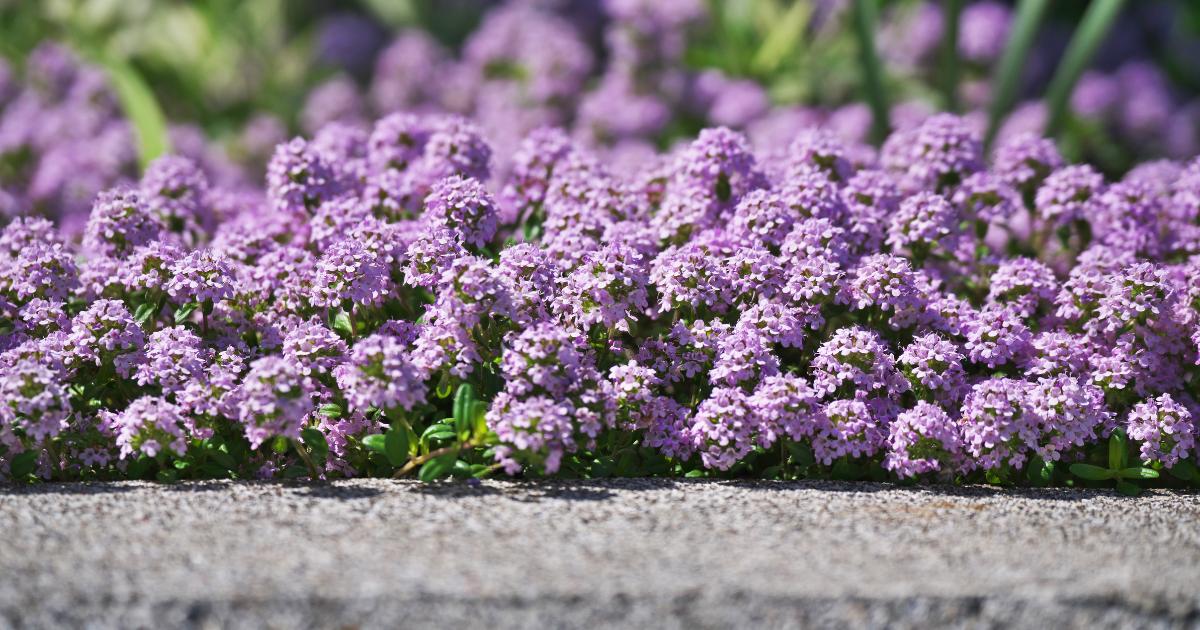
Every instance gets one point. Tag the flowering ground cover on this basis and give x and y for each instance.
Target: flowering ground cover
(409, 295)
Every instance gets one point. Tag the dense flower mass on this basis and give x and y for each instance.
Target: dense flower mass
(388, 302)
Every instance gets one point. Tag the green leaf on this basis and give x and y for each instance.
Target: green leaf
(141, 109)
(341, 324)
(279, 444)
(864, 16)
(167, 475)
(1117, 453)
(1185, 470)
(1041, 473)
(395, 446)
(1128, 489)
(144, 313)
(437, 431)
(437, 467)
(375, 442)
(330, 410)
(802, 454)
(315, 442)
(1025, 26)
(462, 469)
(1093, 28)
(464, 400)
(1090, 472)
(184, 312)
(1138, 472)
(698, 472)
(23, 464)
(223, 458)
(783, 37)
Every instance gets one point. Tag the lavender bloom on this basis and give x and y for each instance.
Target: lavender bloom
(381, 374)
(1165, 428)
(856, 361)
(933, 365)
(149, 426)
(33, 400)
(937, 155)
(983, 31)
(726, 428)
(464, 207)
(608, 288)
(272, 400)
(177, 191)
(175, 357)
(744, 358)
(299, 179)
(1051, 353)
(787, 406)
(690, 278)
(819, 148)
(531, 279)
(720, 165)
(119, 222)
(104, 334)
(871, 197)
(984, 197)
(200, 277)
(1069, 194)
(539, 424)
(885, 282)
(996, 336)
(1025, 160)
(923, 440)
(924, 222)
(849, 430)
(43, 269)
(532, 170)
(1024, 285)
(350, 274)
(994, 422)
(314, 347)
(1069, 414)
(763, 217)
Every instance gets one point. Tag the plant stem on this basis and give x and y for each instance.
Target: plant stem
(303, 451)
(872, 72)
(417, 461)
(951, 11)
(1012, 62)
(1092, 30)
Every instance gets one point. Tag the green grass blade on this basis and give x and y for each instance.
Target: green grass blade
(1096, 23)
(872, 72)
(783, 38)
(1008, 77)
(950, 61)
(142, 110)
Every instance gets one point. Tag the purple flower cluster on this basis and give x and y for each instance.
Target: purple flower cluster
(923, 313)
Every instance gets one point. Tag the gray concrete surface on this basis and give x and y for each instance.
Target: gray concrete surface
(633, 553)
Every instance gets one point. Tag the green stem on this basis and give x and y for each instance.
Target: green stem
(303, 451)
(1100, 16)
(864, 26)
(1012, 62)
(950, 55)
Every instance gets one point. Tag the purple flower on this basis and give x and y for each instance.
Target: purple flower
(1025, 160)
(149, 426)
(1069, 194)
(175, 357)
(608, 288)
(104, 334)
(200, 277)
(922, 440)
(33, 400)
(937, 155)
(885, 282)
(314, 347)
(1165, 428)
(924, 222)
(983, 31)
(726, 428)
(996, 336)
(120, 221)
(380, 373)
(763, 217)
(1069, 413)
(1024, 285)
(984, 197)
(821, 149)
(299, 179)
(177, 191)
(349, 273)
(464, 207)
(994, 422)
(849, 430)
(787, 406)
(744, 358)
(272, 400)
(855, 361)
(933, 365)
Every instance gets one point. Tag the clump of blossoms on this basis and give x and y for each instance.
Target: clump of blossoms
(401, 299)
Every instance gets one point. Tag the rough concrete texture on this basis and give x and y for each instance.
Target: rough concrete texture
(630, 553)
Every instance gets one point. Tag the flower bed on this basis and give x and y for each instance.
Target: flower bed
(918, 314)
